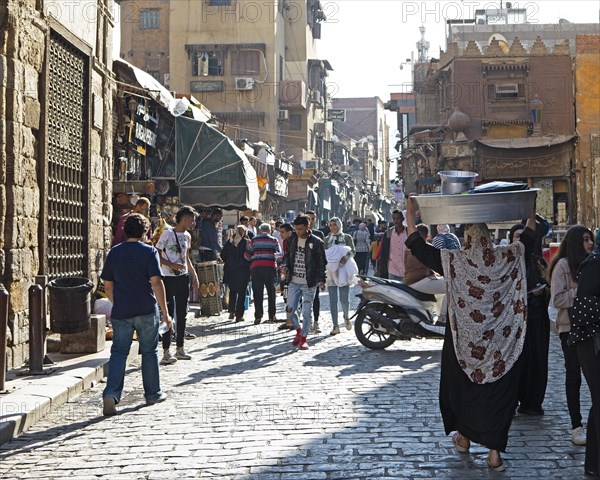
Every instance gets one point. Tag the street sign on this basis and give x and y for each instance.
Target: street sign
(336, 115)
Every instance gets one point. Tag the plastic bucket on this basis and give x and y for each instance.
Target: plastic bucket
(70, 305)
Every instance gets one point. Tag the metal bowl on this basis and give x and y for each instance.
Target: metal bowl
(457, 181)
(438, 208)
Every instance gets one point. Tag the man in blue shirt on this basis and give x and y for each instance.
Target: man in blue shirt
(132, 280)
(210, 248)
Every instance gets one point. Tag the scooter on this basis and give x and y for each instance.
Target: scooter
(390, 311)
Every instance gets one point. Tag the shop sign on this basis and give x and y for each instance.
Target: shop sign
(336, 115)
(145, 129)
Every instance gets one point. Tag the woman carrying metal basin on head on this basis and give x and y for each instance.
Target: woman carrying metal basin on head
(480, 365)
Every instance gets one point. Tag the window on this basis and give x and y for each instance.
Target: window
(506, 91)
(149, 18)
(245, 62)
(295, 122)
(155, 74)
(207, 63)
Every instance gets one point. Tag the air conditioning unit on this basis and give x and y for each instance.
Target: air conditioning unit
(319, 127)
(244, 83)
(283, 115)
(166, 79)
(315, 96)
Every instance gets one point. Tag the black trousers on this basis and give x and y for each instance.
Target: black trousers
(263, 278)
(237, 298)
(590, 364)
(177, 290)
(572, 380)
(362, 260)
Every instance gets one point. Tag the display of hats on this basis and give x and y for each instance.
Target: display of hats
(162, 187)
(149, 188)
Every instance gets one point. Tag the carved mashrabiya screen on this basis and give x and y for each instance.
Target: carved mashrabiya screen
(67, 156)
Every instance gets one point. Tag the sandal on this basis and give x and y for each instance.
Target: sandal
(459, 448)
(496, 468)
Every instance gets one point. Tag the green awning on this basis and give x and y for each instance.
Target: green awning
(210, 170)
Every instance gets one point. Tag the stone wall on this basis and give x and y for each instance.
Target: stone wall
(24, 37)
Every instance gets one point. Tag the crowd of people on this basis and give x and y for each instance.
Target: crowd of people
(494, 299)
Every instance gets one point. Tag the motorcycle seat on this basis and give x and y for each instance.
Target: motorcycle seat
(423, 297)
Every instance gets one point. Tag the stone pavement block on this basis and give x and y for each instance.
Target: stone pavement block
(91, 340)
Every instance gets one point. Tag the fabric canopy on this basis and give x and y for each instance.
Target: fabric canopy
(210, 170)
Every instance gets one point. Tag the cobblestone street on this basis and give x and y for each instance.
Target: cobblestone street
(250, 406)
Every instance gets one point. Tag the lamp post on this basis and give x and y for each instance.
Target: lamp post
(536, 108)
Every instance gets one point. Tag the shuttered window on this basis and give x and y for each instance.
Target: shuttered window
(245, 62)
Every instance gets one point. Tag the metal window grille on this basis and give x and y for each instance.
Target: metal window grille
(67, 155)
(150, 19)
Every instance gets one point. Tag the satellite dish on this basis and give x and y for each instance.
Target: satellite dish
(180, 107)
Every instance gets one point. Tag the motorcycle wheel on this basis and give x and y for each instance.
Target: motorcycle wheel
(368, 334)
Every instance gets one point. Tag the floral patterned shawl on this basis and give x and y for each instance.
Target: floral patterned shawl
(487, 303)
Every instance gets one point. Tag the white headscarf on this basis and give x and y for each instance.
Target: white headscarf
(237, 237)
(331, 238)
(487, 303)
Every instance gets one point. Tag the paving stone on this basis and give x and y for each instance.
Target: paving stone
(249, 406)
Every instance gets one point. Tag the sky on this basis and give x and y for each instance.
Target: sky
(366, 41)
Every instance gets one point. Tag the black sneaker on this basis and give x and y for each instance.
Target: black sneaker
(109, 406)
(257, 321)
(189, 335)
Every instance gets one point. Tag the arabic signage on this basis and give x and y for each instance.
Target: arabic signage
(336, 115)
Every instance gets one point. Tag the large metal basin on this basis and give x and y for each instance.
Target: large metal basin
(438, 209)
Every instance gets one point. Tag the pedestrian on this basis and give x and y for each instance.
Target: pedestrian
(534, 379)
(362, 243)
(276, 233)
(371, 227)
(324, 228)
(373, 249)
(339, 249)
(480, 368)
(312, 218)
(585, 336)
(252, 231)
(261, 253)
(421, 278)
(236, 272)
(445, 238)
(286, 231)
(210, 248)
(132, 282)
(177, 269)
(576, 245)
(245, 221)
(390, 258)
(141, 206)
(304, 267)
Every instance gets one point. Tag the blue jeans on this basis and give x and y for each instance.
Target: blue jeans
(333, 302)
(295, 291)
(146, 327)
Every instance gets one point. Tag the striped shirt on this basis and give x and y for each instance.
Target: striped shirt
(261, 251)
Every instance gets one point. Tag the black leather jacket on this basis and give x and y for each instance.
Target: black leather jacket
(314, 259)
